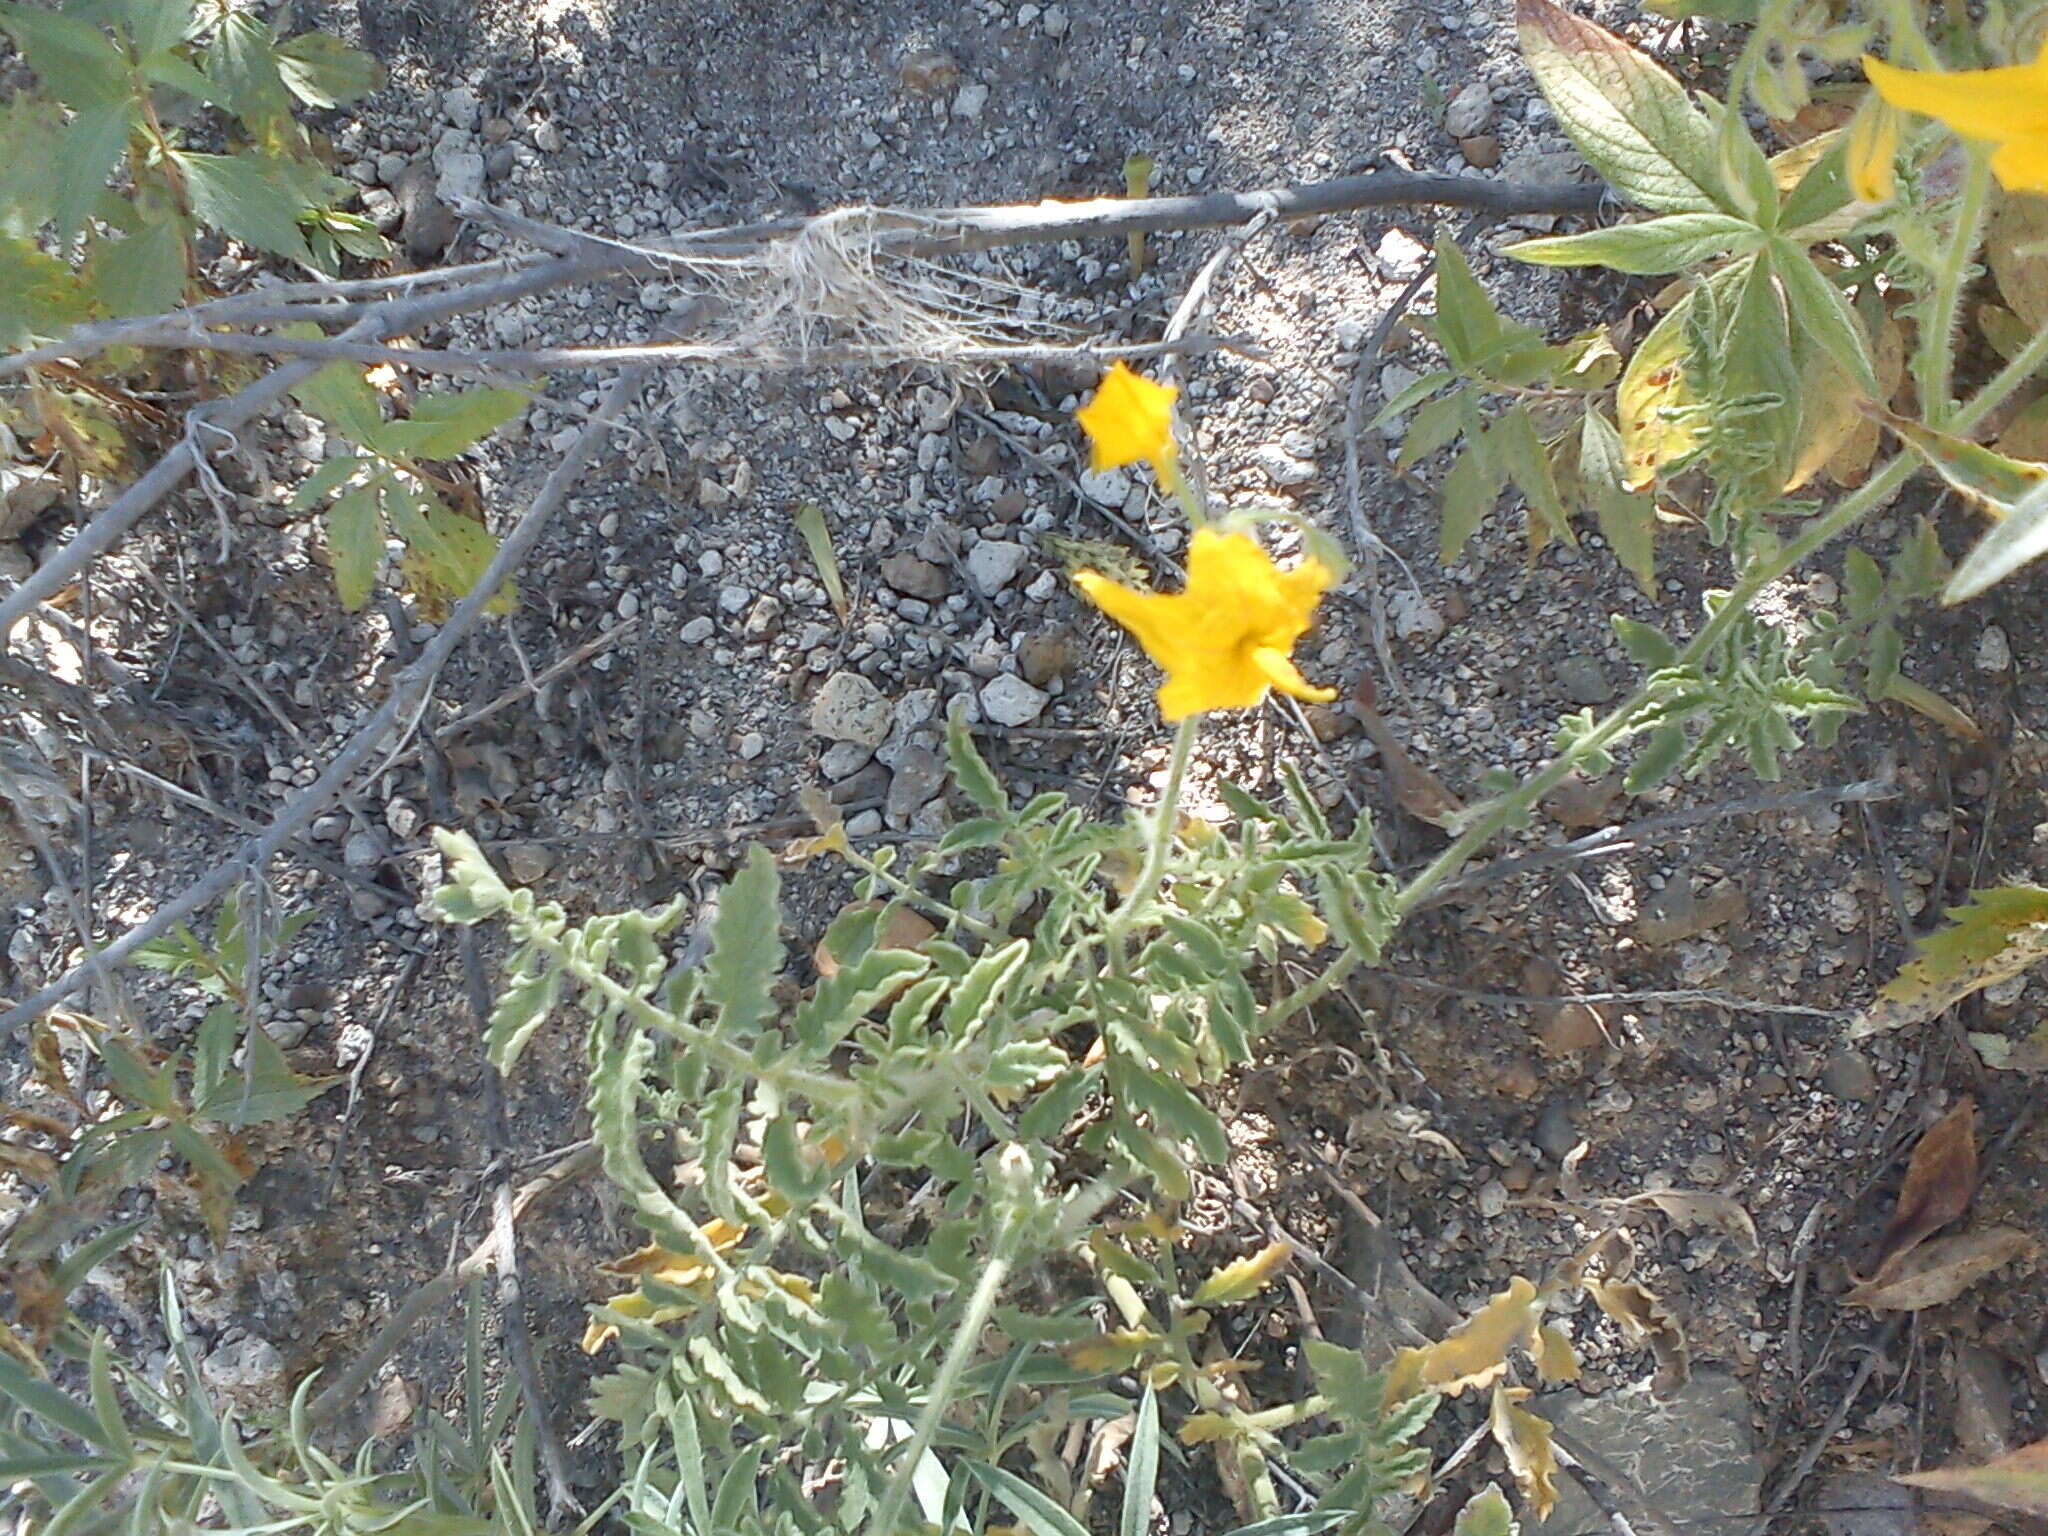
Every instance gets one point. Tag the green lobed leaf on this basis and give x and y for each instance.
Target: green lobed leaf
(1487, 1513)
(1673, 243)
(248, 197)
(324, 72)
(91, 147)
(1632, 121)
(1521, 452)
(180, 74)
(241, 61)
(446, 554)
(1814, 209)
(143, 274)
(354, 527)
(1664, 751)
(1646, 647)
(529, 997)
(267, 1089)
(1412, 396)
(746, 947)
(1468, 326)
(1435, 425)
(74, 59)
(343, 399)
(39, 295)
(977, 992)
(972, 773)
(1469, 492)
(1627, 519)
(443, 424)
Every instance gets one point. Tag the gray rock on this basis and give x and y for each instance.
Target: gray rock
(1414, 617)
(390, 166)
(843, 759)
(1556, 1133)
(363, 850)
(697, 631)
(850, 708)
(1848, 1076)
(1009, 700)
(1054, 21)
(1584, 680)
(870, 783)
(1111, 487)
(461, 107)
(1470, 110)
(732, 599)
(752, 745)
(1695, 1452)
(26, 493)
(971, 101)
(913, 577)
(250, 1371)
(528, 863)
(918, 778)
(1282, 467)
(1400, 255)
(1994, 651)
(994, 563)
(864, 823)
(458, 168)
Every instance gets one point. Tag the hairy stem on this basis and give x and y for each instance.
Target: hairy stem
(1166, 819)
(1936, 353)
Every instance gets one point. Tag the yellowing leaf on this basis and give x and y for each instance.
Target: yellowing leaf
(1997, 934)
(1115, 1351)
(1475, 1353)
(1243, 1278)
(1203, 1428)
(2017, 1481)
(1941, 1270)
(1652, 386)
(1644, 1320)
(1525, 1440)
(1923, 700)
(1555, 1358)
(2014, 243)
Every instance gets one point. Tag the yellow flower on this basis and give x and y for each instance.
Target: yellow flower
(1226, 639)
(2007, 107)
(1130, 418)
(1873, 150)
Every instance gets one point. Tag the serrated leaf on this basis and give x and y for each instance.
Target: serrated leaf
(1657, 759)
(746, 946)
(91, 147)
(324, 482)
(1409, 398)
(1821, 205)
(972, 773)
(1522, 453)
(39, 295)
(143, 274)
(247, 197)
(354, 529)
(1244, 1278)
(1674, 243)
(1469, 493)
(444, 424)
(178, 72)
(74, 59)
(1627, 518)
(521, 1009)
(1646, 647)
(1996, 934)
(1468, 326)
(446, 554)
(241, 61)
(2017, 1480)
(342, 398)
(324, 72)
(1631, 120)
(266, 1088)
(1653, 387)
(1435, 425)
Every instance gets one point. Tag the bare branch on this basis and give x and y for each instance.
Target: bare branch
(408, 689)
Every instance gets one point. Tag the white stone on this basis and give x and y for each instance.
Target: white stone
(994, 563)
(1055, 21)
(1009, 700)
(697, 631)
(972, 99)
(1400, 255)
(850, 708)
(1994, 651)
(1110, 486)
(458, 170)
(461, 107)
(752, 745)
(843, 759)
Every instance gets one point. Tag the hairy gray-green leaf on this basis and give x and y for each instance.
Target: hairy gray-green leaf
(1670, 244)
(746, 947)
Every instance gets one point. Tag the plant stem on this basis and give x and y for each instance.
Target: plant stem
(1937, 335)
(965, 1342)
(1166, 820)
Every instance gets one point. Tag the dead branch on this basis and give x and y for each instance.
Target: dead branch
(408, 691)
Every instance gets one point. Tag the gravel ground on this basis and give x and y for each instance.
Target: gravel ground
(1489, 1125)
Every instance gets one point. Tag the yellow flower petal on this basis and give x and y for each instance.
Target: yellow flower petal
(1994, 104)
(1130, 418)
(1226, 638)
(2021, 165)
(1873, 150)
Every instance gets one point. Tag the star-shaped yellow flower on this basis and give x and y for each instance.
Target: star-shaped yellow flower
(1227, 637)
(2007, 107)
(1130, 418)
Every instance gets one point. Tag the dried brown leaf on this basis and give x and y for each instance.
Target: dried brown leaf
(1691, 1208)
(1940, 1270)
(1940, 1180)
(1525, 1440)
(1644, 1320)
(2017, 1481)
